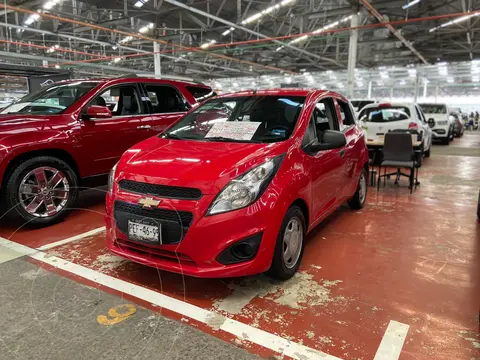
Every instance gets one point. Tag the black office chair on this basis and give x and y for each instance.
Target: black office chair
(398, 153)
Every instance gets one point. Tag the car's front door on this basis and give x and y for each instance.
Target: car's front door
(103, 141)
(326, 167)
(166, 104)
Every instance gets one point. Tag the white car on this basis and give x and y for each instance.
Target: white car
(440, 122)
(378, 119)
(359, 104)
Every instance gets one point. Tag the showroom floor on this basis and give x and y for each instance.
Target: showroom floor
(404, 270)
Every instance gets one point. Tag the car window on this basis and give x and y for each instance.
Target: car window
(310, 133)
(420, 114)
(165, 99)
(122, 100)
(346, 115)
(51, 100)
(200, 93)
(360, 104)
(433, 108)
(263, 119)
(324, 116)
(379, 114)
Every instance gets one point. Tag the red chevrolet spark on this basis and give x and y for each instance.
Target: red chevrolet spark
(233, 187)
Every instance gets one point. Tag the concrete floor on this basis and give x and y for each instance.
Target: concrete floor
(411, 259)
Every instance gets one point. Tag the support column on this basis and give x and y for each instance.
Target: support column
(156, 59)
(369, 96)
(417, 85)
(437, 91)
(425, 88)
(352, 55)
(391, 94)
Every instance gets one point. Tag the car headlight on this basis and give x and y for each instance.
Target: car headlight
(442, 123)
(111, 178)
(246, 189)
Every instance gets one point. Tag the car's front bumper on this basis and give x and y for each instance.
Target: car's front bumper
(441, 132)
(196, 254)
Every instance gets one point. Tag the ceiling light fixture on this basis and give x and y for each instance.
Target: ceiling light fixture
(226, 32)
(452, 22)
(146, 28)
(207, 44)
(411, 3)
(140, 3)
(265, 12)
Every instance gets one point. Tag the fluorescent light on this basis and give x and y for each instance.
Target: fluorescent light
(411, 3)
(226, 32)
(207, 44)
(403, 82)
(476, 78)
(140, 3)
(456, 21)
(146, 28)
(450, 80)
(57, 66)
(265, 12)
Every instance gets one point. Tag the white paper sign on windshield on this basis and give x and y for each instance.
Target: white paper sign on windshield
(237, 130)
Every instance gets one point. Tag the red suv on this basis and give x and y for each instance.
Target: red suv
(233, 187)
(54, 141)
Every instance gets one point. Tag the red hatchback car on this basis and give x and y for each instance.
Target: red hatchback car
(233, 187)
(66, 136)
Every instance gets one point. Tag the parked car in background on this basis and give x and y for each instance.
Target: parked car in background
(64, 137)
(438, 118)
(359, 104)
(378, 119)
(234, 186)
(458, 124)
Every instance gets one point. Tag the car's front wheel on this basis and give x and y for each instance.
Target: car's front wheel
(41, 190)
(288, 251)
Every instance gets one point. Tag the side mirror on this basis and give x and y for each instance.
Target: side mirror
(97, 112)
(331, 139)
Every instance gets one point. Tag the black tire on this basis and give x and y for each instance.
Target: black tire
(446, 141)
(13, 182)
(279, 270)
(357, 202)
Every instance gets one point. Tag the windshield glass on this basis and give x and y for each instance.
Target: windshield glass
(360, 104)
(242, 119)
(385, 114)
(433, 108)
(51, 100)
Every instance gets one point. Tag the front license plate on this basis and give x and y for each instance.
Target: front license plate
(143, 232)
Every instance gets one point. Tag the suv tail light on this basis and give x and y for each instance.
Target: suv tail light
(413, 125)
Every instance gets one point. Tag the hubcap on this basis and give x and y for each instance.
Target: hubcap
(292, 242)
(44, 192)
(362, 191)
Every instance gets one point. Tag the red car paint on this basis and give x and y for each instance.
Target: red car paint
(322, 182)
(92, 147)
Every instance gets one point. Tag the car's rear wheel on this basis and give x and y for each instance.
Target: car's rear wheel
(41, 190)
(288, 251)
(358, 200)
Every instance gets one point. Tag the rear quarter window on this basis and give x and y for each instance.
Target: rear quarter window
(385, 114)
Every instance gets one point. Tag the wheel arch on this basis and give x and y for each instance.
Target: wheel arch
(304, 208)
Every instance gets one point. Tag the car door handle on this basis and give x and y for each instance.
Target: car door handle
(342, 153)
(144, 127)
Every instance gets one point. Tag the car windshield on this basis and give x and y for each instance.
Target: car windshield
(433, 108)
(241, 119)
(51, 100)
(385, 114)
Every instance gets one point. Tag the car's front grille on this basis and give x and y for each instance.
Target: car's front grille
(171, 192)
(439, 131)
(174, 224)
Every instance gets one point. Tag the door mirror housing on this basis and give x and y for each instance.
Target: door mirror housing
(97, 112)
(330, 139)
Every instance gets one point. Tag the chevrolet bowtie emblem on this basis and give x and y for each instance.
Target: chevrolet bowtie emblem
(148, 202)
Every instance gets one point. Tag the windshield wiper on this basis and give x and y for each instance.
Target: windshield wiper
(172, 136)
(227, 139)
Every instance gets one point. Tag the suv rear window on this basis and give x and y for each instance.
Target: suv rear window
(385, 114)
(360, 104)
(433, 108)
(201, 93)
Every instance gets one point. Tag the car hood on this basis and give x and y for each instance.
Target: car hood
(208, 166)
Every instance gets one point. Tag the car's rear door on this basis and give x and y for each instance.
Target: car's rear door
(103, 141)
(166, 105)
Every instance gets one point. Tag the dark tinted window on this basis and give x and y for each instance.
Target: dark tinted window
(245, 118)
(324, 116)
(385, 114)
(122, 100)
(346, 114)
(165, 99)
(201, 93)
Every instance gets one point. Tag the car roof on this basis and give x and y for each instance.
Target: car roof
(393, 104)
(137, 79)
(282, 91)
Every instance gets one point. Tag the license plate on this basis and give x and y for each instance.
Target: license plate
(144, 232)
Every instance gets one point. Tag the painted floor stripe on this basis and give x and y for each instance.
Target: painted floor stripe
(242, 331)
(73, 238)
(392, 341)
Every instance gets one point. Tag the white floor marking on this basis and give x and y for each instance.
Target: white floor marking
(392, 341)
(73, 238)
(242, 331)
